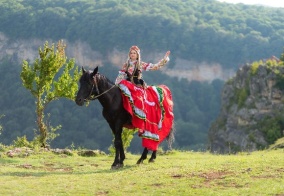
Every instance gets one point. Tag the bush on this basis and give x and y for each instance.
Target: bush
(23, 142)
(126, 136)
(271, 127)
(254, 67)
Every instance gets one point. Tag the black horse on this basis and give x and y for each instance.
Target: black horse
(94, 85)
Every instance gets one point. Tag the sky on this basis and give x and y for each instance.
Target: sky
(272, 3)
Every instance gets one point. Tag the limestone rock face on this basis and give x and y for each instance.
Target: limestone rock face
(21, 49)
(251, 115)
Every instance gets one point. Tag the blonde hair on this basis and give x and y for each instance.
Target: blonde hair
(136, 49)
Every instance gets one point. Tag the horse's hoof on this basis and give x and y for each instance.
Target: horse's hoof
(151, 161)
(117, 166)
(139, 162)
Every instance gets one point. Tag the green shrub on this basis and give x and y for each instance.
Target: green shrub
(23, 142)
(242, 96)
(2, 147)
(126, 136)
(278, 144)
(254, 67)
(271, 127)
(280, 82)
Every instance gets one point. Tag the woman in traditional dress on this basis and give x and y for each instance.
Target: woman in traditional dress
(151, 107)
(135, 65)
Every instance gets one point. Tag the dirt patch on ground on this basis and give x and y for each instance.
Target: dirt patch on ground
(210, 178)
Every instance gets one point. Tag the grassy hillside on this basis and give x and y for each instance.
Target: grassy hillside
(175, 173)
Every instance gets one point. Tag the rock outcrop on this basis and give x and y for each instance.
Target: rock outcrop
(19, 50)
(251, 115)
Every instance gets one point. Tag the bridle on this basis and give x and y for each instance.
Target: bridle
(95, 85)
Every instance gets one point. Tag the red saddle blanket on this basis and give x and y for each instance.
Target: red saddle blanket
(151, 109)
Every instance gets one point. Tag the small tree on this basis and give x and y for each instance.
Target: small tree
(43, 80)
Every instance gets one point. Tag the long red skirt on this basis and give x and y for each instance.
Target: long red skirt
(151, 109)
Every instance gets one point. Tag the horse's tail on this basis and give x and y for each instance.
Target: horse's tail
(171, 137)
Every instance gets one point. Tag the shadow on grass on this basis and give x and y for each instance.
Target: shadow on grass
(64, 171)
(8, 161)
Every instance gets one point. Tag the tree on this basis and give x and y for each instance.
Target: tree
(49, 78)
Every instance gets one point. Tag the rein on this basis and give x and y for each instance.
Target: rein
(95, 84)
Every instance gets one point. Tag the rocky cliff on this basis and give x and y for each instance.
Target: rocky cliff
(251, 115)
(84, 55)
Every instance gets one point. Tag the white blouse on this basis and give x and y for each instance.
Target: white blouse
(143, 67)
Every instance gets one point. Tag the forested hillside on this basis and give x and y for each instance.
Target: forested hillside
(199, 30)
(195, 30)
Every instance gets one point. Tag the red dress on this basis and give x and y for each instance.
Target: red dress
(151, 109)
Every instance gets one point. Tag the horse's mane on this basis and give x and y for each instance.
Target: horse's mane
(101, 76)
(105, 79)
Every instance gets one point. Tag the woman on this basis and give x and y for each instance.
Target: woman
(135, 65)
(151, 107)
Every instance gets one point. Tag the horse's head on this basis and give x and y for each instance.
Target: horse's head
(86, 86)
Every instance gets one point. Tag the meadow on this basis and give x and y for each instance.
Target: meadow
(173, 173)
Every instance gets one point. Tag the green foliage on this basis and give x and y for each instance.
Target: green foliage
(280, 82)
(273, 66)
(219, 124)
(282, 57)
(272, 128)
(233, 148)
(229, 81)
(271, 63)
(111, 149)
(23, 142)
(40, 79)
(242, 96)
(278, 144)
(1, 128)
(254, 67)
(126, 136)
(195, 30)
(52, 131)
(3, 148)
(37, 141)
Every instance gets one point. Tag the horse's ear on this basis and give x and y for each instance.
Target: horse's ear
(96, 70)
(83, 69)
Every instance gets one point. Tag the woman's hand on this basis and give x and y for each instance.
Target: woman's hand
(167, 54)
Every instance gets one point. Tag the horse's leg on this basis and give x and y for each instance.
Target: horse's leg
(119, 152)
(143, 156)
(153, 157)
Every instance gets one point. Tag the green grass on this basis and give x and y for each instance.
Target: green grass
(176, 173)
